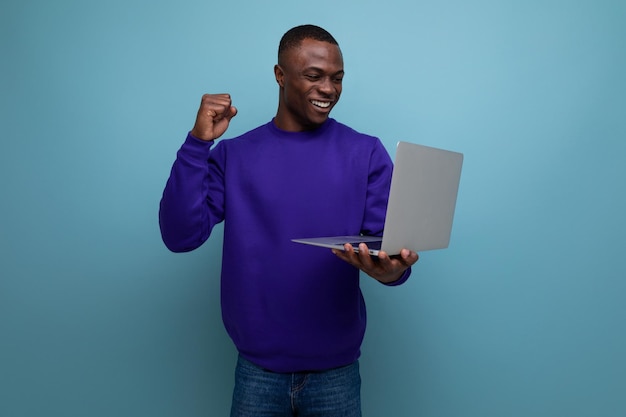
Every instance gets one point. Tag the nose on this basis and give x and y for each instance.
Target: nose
(326, 86)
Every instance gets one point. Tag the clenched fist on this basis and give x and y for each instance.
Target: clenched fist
(214, 116)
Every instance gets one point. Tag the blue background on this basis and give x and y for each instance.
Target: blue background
(524, 314)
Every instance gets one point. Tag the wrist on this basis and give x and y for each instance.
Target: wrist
(197, 135)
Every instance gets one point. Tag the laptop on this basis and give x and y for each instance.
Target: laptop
(422, 200)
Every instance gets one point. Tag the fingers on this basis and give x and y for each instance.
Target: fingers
(360, 259)
(408, 257)
(404, 260)
(348, 255)
(218, 106)
(383, 268)
(364, 257)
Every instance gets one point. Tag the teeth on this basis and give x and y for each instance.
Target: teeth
(321, 104)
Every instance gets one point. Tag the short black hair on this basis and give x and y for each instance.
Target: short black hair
(293, 37)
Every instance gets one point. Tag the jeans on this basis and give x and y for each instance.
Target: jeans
(262, 393)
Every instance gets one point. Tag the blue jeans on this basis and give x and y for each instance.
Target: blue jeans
(262, 393)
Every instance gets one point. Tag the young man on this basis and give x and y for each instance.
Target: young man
(295, 312)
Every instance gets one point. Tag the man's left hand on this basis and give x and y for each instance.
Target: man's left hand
(385, 269)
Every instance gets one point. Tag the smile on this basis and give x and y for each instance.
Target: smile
(322, 104)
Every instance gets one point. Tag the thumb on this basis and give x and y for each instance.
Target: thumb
(232, 113)
(226, 115)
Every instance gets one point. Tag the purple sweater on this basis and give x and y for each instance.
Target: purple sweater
(287, 307)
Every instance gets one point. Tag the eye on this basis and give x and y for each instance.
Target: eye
(312, 77)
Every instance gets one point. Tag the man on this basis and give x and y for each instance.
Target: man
(295, 312)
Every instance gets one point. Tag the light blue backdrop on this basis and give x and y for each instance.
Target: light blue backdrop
(524, 315)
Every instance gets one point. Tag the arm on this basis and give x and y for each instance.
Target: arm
(191, 202)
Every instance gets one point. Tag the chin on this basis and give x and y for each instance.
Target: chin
(319, 118)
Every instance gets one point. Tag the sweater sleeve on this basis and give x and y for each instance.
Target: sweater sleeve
(192, 202)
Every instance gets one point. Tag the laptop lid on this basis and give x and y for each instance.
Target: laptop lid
(422, 199)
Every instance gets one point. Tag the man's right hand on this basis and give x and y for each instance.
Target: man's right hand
(213, 117)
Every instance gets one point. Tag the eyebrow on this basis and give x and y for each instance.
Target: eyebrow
(313, 68)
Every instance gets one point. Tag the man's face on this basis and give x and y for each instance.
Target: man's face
(310, 78)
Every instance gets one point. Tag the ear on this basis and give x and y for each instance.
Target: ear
(280, 75)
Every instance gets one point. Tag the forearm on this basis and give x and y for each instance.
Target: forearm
(184, 216)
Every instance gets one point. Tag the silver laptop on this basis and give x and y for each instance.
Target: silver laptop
(422, 200)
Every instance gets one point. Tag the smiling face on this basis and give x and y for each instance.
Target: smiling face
(309, 77)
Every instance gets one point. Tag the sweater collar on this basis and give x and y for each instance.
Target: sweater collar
(306, 134)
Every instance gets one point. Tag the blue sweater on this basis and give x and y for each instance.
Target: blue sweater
(287, 307)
